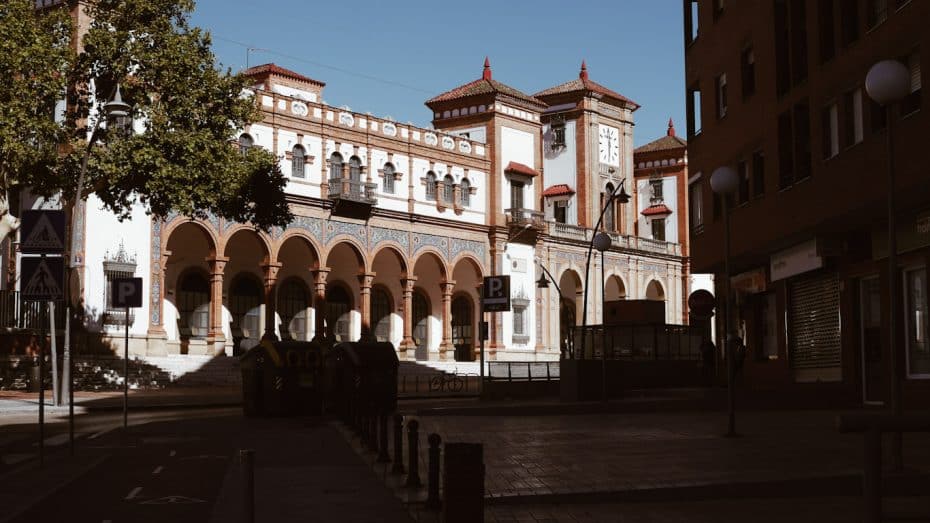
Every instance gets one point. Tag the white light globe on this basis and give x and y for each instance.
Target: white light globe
(888, 81)
(602, 241)
(724, 180)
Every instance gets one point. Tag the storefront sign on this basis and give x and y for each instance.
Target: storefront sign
(749, 282)
(913, 234)
(795, 260)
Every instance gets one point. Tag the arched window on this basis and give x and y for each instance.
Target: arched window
(462, 329)
(194, 305)
(338, 307)
(381, 314)
(293, 302)
(335, 166)
(609, 223)
(420, 318)
(431, 186)
(245, 302)
(447, 189)
(245, 143)
(388, 171)
(465, 192)
(355, 169)
(297, 162)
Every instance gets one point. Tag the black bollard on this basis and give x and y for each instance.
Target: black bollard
(432, 479)
(398, 467)
(413, 452)
(383, 456)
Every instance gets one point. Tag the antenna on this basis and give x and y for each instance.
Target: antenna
(248, 52)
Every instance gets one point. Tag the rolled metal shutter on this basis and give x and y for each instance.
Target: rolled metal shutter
(814, 322)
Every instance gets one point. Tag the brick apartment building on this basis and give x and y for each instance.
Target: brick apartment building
(775, 89)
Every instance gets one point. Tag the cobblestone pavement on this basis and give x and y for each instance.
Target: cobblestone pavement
(546, 455)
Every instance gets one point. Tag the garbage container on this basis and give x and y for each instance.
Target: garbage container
(463, 352)
(364, 373)
(281, 378)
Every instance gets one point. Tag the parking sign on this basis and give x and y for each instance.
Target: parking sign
(126, 292)
(496, 295)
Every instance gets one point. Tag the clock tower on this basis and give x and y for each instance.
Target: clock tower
(588, 135)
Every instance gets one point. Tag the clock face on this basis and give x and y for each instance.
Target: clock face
(609, 145)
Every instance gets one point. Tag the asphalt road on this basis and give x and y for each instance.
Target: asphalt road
(163, 471)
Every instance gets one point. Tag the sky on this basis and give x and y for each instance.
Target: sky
(388, 57)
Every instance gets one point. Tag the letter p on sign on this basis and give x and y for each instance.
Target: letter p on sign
(126, 292)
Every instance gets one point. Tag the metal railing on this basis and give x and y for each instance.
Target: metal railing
(564, 230)
(574, 232)
(523, 371)
(15, 313)
(348, 189)
(634, 342)
(444, 383)
(518, 216)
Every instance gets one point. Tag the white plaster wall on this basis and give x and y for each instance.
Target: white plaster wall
(475, 134)
(517, 146)
(521, 277)
(296, 93)
(104, 233)
(396, 201)
(263, 136)
(669, 198)
(474, 213)
(561, 166)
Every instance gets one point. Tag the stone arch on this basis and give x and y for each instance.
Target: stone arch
(298, 235)
(467, 274)
(188, 244)
(210, 234)
(616, 288)
(571, 304)
(357, 248)
(240, 229)
(394, 248)
(429, 252)
(655, 291)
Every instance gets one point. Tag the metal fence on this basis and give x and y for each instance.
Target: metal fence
(523, 371)
(17, 314)
(636, 342)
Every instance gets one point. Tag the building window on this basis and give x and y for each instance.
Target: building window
(827, 33)
(852, 116)
(694, 110)
(849, 21)
(831, 133)
(609, 212)
(245, 143)
(911, 103)
(918, 348)
(742, 171)
(381, 314)
(802, 141)
(462, 328)
(431, 186)
(420, 319)
(516, 194)
(245, 302)
(658, 229)
(559, 211)
(877, 12)
(695, 206)
(293, 304)
(691, 21)
(717, 205)
(465, 192)
(297, 162)
(193, 305)
(448, 191)
(758, 174)
(748, 72)
(118, 265)
(338, 312)
(388, 172)
(782, 61)
(558, 134)
(655, 187)
(355, 169)
(718, 9)
(521, 335)
(335, 166)
(798, 41)
(785, 151)
(721, 90)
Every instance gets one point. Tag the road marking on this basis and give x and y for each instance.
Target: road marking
(172, 453)
(158, 469)
(101, 433)
(172, 500)
(134, 492)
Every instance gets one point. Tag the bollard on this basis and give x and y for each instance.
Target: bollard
(432, 475)
(247, 471)
(413, 452)
(398, 467)
(383, 456)
(463, 483)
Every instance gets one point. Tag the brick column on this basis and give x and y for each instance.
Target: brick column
(364, 284)
(407, 342)
(215, 336)
(271, 279)
(446, 287)
(319, 301)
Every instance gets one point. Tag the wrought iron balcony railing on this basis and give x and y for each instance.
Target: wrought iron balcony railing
(518, 216)
(356, 191)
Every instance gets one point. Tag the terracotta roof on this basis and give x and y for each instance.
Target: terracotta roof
(264, 69)
(656, 210)
(519, 168)
(662, 144)
(484, 85)
(558, 190)
(585, 84)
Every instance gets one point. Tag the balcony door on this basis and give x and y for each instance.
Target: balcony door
(516, 194)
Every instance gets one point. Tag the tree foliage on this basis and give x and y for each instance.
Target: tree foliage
(186, 111)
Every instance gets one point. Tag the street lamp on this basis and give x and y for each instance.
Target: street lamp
(602, 243)
(543, 283)
(889, 82)
(724, 181)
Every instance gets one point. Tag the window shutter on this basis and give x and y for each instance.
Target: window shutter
(913, 63)
(814, 322)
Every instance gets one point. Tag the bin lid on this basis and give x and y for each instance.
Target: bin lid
(368, 354)
(286, 353)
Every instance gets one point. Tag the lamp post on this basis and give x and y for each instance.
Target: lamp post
(620, 195)
(888, 82)
(724, 182)
(543, 283)
(602, 243)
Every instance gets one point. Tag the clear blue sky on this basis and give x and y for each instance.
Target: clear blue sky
(388, 57)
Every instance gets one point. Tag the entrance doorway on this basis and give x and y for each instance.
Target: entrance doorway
(420, 325)
(870, 330)
(462, 330)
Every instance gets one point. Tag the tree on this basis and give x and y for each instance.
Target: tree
(186, 112)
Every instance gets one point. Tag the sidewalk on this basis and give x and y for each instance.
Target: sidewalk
(172, 397)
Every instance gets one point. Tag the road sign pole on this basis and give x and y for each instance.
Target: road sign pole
(69, 379)
(56, 391)
(41, 391)
(126, 376)
(482, 334)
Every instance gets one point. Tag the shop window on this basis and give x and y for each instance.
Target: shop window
(918, 348)
(814, 328)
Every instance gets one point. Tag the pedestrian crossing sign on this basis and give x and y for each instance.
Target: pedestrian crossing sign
(43, 232)
(42, 278)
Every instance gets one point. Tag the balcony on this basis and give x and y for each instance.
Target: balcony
(619, 241)
(525, 224)
(352, 198)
